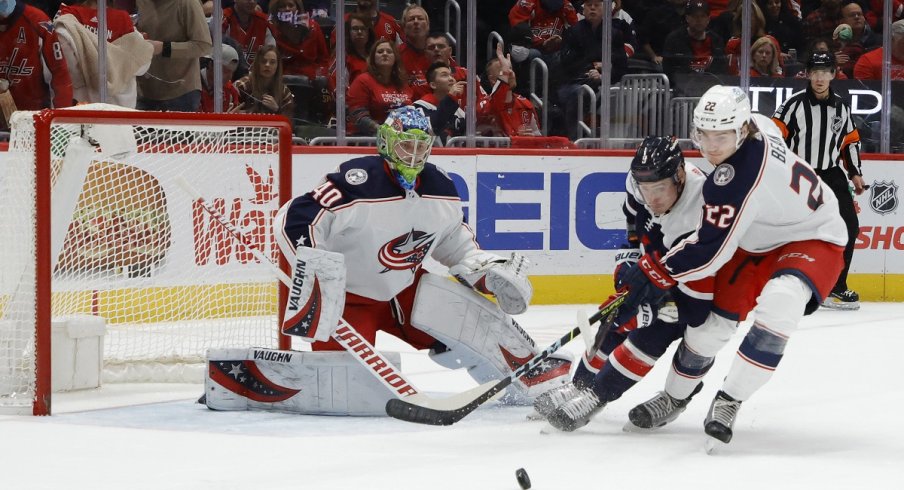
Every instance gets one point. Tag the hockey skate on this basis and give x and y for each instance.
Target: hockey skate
(721, 418)
(845, 300)
(576, 412)
(658, 411)
(552, 399)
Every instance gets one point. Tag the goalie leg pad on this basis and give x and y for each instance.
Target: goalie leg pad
(316, 296)
(321, 383)
(480, 337)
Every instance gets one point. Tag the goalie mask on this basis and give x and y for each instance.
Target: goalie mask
(405, 140)
(720, 120)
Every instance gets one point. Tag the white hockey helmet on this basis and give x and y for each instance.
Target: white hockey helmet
(722, 108)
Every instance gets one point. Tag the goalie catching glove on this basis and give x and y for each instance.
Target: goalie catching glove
(317, 294)
(505, 279)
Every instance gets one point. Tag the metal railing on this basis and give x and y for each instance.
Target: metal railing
(349, 141)
(492, 40)
(583, 129)
(479, 142)
(456, 37)
(640, 108)
(540, 103)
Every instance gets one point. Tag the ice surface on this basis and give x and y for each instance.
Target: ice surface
(829, 419)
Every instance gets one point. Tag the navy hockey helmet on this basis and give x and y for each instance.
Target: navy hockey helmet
(821, 61)
(656, 159)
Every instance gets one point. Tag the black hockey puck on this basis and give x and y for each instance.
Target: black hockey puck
(523, 479)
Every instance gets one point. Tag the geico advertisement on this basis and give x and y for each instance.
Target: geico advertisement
(564, 212)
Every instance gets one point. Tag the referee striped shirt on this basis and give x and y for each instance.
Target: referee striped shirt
(820, 131)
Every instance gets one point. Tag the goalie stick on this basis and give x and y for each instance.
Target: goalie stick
(346, 335)
(423, 410)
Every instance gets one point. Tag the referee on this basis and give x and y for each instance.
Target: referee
(817, 126)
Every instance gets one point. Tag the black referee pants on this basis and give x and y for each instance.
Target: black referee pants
(837, 180)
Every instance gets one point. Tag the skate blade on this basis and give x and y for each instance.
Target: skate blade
(842, 306)
(713, 446)
(630, 427)
(535, 416)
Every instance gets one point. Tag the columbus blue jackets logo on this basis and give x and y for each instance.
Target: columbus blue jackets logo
(246, 379)
(883, 197)
(356, 176)
(406, 251)
(723, 175)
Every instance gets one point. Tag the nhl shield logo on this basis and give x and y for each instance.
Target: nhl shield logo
(883, 197)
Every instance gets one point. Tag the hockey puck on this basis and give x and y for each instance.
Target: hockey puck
(523, 479)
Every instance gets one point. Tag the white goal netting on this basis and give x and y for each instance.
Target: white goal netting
(127, 244)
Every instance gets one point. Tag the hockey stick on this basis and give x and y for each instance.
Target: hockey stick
(346, 335)
(447, 411)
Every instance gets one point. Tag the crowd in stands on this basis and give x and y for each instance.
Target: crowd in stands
(279, 57)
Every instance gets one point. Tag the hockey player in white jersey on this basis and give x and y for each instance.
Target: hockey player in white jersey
(663, 204)
(387, 214)
(771, 234)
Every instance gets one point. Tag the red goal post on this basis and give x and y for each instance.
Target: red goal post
(96, 227)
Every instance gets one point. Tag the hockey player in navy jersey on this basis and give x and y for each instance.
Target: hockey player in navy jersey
(387, 214)
(663, 204)
(772, 235)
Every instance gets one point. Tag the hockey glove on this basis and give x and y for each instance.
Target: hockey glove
(505, 279)
(624, 260)
(646, 282)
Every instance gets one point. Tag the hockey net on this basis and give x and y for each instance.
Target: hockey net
(95, 224)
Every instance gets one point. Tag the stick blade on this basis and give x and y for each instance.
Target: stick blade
(420, 409)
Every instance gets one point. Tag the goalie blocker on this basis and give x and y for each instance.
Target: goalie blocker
(317, 383)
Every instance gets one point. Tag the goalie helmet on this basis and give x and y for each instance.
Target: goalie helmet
(405, 140)
(657, 158)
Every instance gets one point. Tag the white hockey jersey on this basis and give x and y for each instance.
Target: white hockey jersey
(684, 216)
(761, 198)
(384, 231)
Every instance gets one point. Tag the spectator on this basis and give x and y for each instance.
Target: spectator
(582, 55)
(27, 42)
(783, 25)
(439, 50)
(515, 115)
(382, 88)
(128, 53)
(764, 58)
(757, 30)
(862, 33)
(548, 19)
(822, 21)
(301, 43)
(245, 23)
(444, 104)
(180, 35)
(231, 99)
(416, 25)
(869, 66)
(853, 37)
(897, 11)
(262, 91)
(384, 25)
(657, 25)
(694, 48)
(359, 38)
